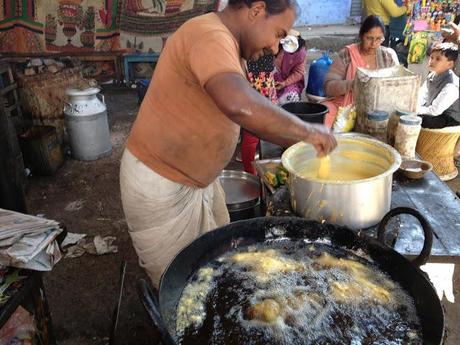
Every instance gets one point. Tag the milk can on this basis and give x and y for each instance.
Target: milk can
(87, 125)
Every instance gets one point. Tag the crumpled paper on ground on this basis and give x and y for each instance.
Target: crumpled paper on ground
(98, 246)
(28, 241)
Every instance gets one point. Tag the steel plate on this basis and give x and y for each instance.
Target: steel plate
(242, 190)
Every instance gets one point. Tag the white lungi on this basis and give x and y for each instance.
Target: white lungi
(164, 216)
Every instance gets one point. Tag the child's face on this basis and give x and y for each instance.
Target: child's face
(439, 63)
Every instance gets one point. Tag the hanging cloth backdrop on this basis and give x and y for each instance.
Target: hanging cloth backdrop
(156, 17)
(58, 25)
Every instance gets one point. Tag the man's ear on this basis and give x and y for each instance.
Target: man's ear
(257, 9)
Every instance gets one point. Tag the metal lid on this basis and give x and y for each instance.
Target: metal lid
(400, 112)
(378, 115)
(410, 120)
(86, 92)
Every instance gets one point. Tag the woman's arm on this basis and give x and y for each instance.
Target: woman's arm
(335, 83)
(393, 56)
(298, 71)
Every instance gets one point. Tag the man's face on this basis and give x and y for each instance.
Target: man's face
(439, 63)
(264, 31)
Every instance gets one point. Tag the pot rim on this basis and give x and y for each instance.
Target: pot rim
(394, 166)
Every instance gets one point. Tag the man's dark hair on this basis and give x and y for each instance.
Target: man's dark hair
(449, 50)
(273, 6)
(371, 22)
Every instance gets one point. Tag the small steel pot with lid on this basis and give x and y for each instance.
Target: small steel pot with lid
(356, 194)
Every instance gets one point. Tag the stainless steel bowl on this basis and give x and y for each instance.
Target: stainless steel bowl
(242, 190)
(358, 203)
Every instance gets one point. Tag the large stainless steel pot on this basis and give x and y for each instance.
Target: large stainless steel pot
(356, 204)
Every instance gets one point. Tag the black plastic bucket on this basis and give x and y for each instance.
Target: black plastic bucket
(308, 112)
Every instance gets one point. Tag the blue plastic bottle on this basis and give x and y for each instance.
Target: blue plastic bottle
(318, 71)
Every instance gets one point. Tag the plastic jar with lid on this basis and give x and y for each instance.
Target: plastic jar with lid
(407, 134)
(377, 123)
(393, 124)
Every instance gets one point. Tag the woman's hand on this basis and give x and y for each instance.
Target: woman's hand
(280, 85)
(452, 36)
(456, 28)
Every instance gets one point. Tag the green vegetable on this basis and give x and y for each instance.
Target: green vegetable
(281, 176)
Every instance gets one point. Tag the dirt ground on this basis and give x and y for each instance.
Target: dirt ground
(82, 292)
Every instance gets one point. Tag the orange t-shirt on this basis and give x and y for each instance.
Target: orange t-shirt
(179, 131)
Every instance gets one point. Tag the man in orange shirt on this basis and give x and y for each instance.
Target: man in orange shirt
(178, 146)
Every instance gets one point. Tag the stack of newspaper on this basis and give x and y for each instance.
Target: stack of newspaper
(28, 242)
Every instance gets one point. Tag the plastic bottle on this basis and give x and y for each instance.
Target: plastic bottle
(316, 74)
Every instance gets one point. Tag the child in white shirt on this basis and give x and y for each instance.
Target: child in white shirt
(439, 104)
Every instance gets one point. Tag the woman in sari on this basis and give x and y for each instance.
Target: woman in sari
(367, 53)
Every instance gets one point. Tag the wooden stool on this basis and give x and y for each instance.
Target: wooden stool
(437, 146)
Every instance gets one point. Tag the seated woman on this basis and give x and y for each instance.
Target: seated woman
(368, 53)
(261, 76)
(438, 103)
(290, 70)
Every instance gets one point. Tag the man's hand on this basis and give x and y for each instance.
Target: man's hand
(322, 139)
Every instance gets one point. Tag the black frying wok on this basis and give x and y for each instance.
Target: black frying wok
(219, 241)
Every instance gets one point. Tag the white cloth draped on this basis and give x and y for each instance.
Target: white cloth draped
(164, 216)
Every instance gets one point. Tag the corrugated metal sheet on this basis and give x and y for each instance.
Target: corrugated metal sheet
(356, 6)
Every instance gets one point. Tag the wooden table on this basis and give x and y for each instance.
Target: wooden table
(134, 58)
(440, 206)
(430, 196)
(29, 293)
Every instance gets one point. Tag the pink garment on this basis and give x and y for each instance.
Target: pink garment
(347, 99)
(290, 69)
